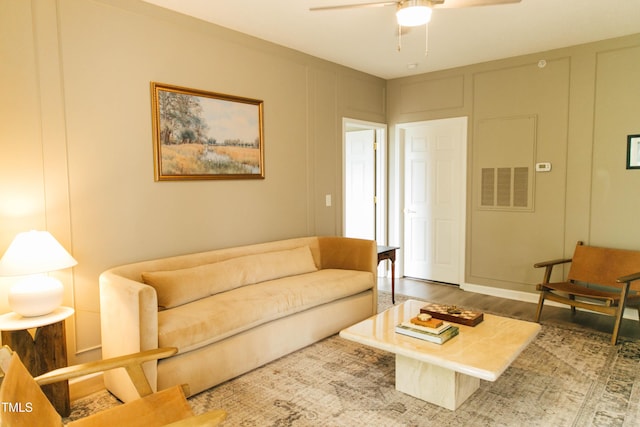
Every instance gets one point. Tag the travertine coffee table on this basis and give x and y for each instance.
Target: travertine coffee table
(445, 374)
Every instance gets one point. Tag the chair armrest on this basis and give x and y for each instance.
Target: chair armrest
(551, 263)
(131, 362)
(549, 267)
(211, 418)
(628, 278)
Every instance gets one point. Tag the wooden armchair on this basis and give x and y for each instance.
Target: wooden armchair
(24, 403)
(600, 279)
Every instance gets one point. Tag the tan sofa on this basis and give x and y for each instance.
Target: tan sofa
(231, 310)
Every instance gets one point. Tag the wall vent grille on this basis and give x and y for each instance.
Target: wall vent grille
(505, 187)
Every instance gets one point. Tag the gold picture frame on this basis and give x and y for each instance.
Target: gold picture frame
(201, 135)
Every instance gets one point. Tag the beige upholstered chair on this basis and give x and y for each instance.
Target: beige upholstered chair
(26, 405)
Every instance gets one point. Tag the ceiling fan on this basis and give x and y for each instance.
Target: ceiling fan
(413, 13)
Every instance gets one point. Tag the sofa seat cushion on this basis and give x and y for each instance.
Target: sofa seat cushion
(207, 320)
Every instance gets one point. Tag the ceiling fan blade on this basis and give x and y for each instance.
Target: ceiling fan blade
(454, 4)
(354, 6)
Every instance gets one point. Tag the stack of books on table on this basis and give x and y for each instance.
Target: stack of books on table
(436, 334)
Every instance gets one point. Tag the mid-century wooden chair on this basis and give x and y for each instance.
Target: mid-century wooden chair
(600, 279)
(24, 403)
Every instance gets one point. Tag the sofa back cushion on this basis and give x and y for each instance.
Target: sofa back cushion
(177, 287)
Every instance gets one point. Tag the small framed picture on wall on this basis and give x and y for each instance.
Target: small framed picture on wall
(633, 152)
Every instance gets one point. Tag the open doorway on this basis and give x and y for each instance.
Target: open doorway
(364, 180)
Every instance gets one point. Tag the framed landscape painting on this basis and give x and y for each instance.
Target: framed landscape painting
(205, 135)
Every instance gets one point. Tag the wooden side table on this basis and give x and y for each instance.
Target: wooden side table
(389, 252)
(43, 351)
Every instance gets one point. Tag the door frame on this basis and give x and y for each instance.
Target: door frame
(380, 174)
(398, 192)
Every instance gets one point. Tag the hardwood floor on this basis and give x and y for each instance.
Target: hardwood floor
(451, 294)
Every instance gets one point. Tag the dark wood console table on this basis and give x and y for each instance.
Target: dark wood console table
(389, 252)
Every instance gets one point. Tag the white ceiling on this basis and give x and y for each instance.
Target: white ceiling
(366, 38)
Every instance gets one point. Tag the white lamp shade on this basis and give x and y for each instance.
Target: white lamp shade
(412, 13)
(34, 252)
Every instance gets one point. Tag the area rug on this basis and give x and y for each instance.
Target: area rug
(566, 377)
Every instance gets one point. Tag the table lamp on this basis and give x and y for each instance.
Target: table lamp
(33, 254)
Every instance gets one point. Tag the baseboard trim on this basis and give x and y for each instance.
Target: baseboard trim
(84, 386)
(502, 293)
(630, 314)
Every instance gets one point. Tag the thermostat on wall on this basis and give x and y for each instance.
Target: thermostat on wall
(543, 167)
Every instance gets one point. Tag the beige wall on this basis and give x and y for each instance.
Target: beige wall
(76, 139)
(583, 103)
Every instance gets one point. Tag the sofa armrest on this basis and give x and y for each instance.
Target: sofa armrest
(348, 254)
(129, 324)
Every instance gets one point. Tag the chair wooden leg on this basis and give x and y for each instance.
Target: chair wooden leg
(573, 307)
(540, 304)
(616, 326)
(619, 313)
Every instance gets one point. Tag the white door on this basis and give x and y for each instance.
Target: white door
(360, 184)
(434, 199)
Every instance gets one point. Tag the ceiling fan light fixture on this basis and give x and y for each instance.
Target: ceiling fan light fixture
(412, 13)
